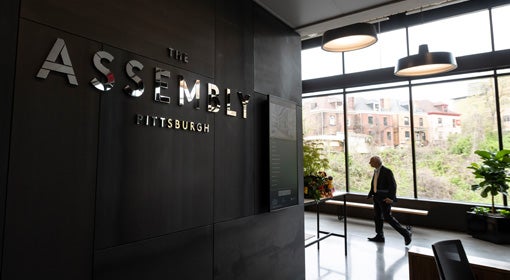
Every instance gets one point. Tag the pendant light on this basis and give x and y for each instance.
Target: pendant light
(425, 63)
(348, 38)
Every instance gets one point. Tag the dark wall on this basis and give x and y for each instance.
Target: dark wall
(92, 194)
(52, 166)
(9, 30)
(274, 61)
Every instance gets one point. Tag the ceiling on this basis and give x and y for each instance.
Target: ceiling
(311, 18)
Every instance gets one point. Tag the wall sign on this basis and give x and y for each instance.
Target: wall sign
(58, 60)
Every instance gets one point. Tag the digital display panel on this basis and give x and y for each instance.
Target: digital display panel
(282, 153)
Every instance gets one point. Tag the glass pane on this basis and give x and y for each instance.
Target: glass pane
(390, 47)
(378, 86)
(317, 63)
(451, 121)
(501, 21)
(461, 35)
(323, 123)
(319, 93)
(453, 77)
(504, 102)
(502, 71)
(378, 124)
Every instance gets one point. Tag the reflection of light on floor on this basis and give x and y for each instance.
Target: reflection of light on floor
(367, 260)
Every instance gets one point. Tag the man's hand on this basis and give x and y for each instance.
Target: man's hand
(388, 200)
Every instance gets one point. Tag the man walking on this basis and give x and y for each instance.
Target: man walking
(383, 191)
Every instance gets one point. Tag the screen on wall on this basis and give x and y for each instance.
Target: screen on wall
(282, 153)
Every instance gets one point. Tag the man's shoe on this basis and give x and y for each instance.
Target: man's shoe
(377, 238)
(409, 238)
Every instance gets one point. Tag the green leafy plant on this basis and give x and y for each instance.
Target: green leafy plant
(316, 182)
(505, 213)
(494, 172)
(481, 210)
(313, 158)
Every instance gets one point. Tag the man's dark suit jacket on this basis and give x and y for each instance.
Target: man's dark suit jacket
(386, 185)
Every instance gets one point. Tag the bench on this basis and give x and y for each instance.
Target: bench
(371, 206)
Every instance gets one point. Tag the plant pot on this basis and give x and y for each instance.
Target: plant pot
(495, 229)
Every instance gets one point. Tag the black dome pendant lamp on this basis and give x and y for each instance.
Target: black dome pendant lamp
(348, 38)
(425, 63)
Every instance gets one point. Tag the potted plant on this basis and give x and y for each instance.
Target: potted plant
(316, 182)
(489, 223)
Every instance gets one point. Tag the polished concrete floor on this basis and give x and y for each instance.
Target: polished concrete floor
(382, 261)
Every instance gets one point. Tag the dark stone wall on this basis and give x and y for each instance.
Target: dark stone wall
(90, 193)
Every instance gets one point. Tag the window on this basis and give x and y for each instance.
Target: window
(332, 120)
(501, 21)
(461, 35)
(447, 126)
(387, 141)
(442, 159)
(389, 48)
(336, 104)
(317, 63)
(504, 105)
(323, 124)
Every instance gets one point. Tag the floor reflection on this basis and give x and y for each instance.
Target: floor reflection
(379, 261)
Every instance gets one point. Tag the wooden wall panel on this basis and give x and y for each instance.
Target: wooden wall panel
(240, 164)
(142, 27)
(52, 170)
(266, 246)
(277, 57)
(152, 180)
(184, 255)
(238, 149)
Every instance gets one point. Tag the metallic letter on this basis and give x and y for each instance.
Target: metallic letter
(244, 101)
(110, 78)
(183, 90)
(227, 101)
(160, 73)
(138, 91)
(139, 119)
(213, 104)
(50, 64)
